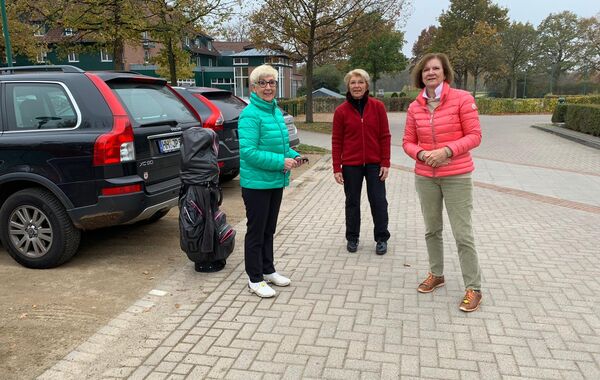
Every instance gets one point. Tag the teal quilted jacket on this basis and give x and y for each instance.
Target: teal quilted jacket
(264, 143)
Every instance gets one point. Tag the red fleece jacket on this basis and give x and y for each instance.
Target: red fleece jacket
(357, 140)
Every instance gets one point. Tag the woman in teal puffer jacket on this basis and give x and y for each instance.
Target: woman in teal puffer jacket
(265, 163)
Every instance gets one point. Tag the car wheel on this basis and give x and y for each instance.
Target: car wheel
(36, 230)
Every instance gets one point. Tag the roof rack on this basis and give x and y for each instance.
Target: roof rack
(19, 69)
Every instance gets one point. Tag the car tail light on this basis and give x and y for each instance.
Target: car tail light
(122, 189)
(117, 145)
(215, 120)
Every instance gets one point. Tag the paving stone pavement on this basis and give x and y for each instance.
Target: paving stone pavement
(358, 316)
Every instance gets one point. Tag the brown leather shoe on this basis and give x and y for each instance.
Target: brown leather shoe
(431, 283)
(471, 301)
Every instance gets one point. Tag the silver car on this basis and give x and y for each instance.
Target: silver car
(292, 130)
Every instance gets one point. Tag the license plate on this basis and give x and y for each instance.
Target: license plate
(169, 145)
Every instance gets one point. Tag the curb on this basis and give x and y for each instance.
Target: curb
(559, 130)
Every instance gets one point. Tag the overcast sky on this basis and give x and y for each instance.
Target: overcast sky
(425, 13)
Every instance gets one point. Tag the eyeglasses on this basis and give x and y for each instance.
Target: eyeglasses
(264, 83)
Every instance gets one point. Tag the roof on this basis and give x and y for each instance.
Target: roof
(328, 92)
(260, 53)
(202, 50)
(232, 47)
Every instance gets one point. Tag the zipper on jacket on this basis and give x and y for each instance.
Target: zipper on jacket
(273, 112)
(432, 133)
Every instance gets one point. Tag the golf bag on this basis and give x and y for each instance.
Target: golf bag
(205, 235)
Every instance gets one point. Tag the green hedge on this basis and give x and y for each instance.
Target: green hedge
(583, 118)
(487, 106)
(560, 112)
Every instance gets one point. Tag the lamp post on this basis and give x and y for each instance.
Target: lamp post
(6, 34)
(525, 85)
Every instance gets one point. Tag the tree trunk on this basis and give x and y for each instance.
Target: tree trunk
(171, 59)
(118, 44)
(474, 84)
(310, 62)
(309, 86)
(117, 52)
(513, 85)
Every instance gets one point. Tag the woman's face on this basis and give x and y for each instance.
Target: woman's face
(265, 88)
(433, 73)
(357, 86)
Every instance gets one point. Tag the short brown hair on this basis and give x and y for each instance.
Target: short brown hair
(417, 78)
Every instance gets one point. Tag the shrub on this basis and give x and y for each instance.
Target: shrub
(583, 118)
(394, 95)
(560, 111)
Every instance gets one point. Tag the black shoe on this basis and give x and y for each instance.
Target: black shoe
(352, 246)
(381, 248)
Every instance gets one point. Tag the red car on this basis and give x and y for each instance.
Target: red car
(219, 110)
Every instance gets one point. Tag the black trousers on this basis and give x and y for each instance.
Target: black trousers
(262, 210)
(353, 180)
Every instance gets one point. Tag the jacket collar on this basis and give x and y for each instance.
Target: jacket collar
(260, 103)
(423, 101)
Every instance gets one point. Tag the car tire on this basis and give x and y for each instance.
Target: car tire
(36, 230)
(228, 177)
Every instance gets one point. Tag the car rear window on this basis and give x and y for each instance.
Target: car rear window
(229, 105)
(151, 103)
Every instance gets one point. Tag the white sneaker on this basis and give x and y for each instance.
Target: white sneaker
(261, 289)
(277, 279)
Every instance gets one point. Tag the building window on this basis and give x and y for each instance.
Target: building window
(242, 87)
(240, 61)
(40, 31)
(42, 56)
(104, 56)
(68, 32)
(146, 56)
(198, 62)
(209, 45)
(73, 57)
(186, 41)
(186, 82)
(210, 62)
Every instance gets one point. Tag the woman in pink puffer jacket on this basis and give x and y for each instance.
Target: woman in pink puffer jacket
(442, 126)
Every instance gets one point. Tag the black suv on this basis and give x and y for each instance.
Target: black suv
(83, 150)
(220, 111)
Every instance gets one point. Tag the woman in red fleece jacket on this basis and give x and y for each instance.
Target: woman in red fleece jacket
(360, 146)
(442, 126)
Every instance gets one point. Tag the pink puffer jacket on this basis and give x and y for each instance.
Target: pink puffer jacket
(454, 123)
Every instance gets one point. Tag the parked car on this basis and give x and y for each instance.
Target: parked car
(292, 130)
(219, 110)
(291, 127)
(80, 151)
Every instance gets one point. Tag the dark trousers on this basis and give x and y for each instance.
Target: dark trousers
(262, 210)
(353, 180)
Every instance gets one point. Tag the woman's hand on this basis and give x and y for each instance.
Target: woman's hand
(289, 164)
(339, 178)
(436, 158)
(383, 173)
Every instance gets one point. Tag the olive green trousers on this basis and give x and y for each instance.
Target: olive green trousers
(456, 193)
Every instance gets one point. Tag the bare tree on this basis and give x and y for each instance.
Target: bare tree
(309, 29)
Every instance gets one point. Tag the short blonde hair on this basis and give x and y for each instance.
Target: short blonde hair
(261, 72)
(417, 77)
(357, 73)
